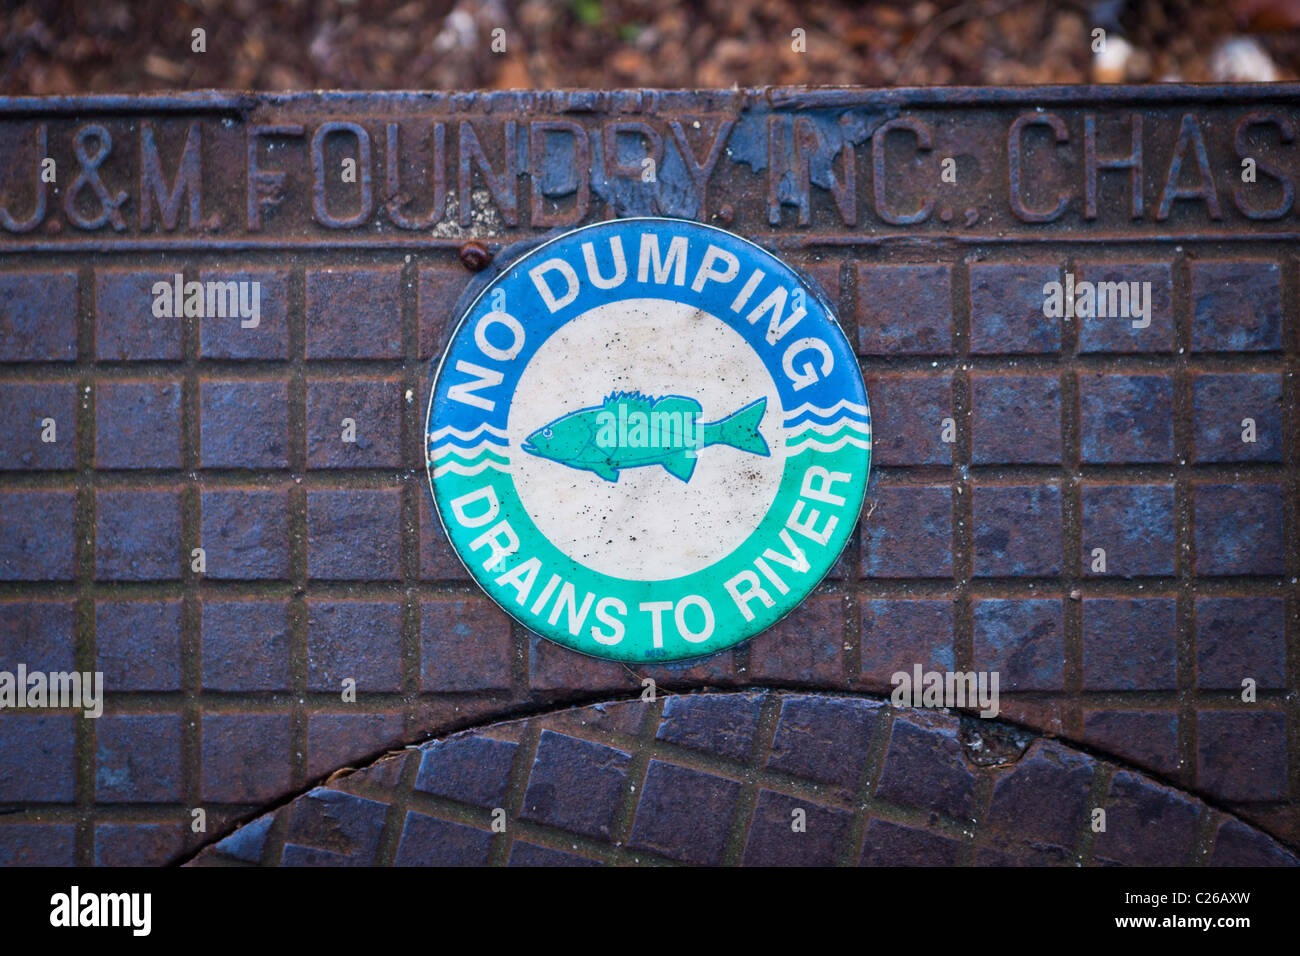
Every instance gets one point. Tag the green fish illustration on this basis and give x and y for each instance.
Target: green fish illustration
(631, 430)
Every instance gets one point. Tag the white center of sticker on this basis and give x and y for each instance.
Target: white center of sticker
(647, 525)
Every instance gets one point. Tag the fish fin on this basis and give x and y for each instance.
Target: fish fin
(677, 403)
(681, 465)
(605, 470)
(740, 429)
(633, 399)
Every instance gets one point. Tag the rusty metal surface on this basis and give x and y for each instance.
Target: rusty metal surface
(838, 166)
(705, 795)
(935, 283)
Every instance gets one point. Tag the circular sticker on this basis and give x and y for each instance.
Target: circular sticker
(648, 439)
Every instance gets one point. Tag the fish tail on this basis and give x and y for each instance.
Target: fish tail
(740, 429)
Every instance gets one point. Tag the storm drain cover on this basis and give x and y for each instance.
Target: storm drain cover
(648, 439)
(223, 320)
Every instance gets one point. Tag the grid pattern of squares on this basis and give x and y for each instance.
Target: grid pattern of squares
(323, 560)
(753, 779)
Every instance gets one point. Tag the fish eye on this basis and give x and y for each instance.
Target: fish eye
(546, 433)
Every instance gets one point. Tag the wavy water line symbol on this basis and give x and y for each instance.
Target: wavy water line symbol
(469, 435)
(830, 428)
(860, 410)
(830, 433)
(451, 458)
(467, 454)
(458, 469)
(811, 445)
